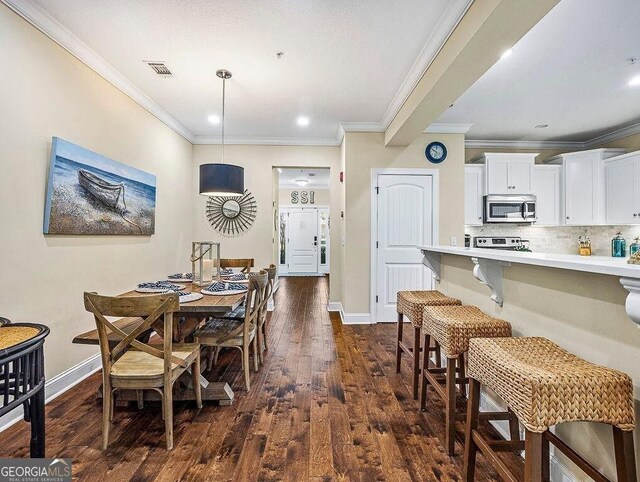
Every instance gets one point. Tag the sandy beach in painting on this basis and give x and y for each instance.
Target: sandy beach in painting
(75, 210)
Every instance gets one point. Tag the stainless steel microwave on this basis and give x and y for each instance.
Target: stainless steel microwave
(510, 208)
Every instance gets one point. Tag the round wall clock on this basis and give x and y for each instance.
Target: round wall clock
(436, 152)
(232, 215)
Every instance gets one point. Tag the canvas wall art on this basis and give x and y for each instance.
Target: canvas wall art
(89, 193)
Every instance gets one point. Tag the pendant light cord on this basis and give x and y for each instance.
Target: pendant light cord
(224, 82)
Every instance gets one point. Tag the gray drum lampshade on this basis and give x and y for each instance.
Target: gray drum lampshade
(221, 180)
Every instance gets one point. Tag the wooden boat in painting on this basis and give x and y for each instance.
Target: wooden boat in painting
(107, 192)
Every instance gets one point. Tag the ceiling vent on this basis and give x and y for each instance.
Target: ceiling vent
(159, 68)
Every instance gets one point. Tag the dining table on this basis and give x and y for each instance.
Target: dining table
(186, 321)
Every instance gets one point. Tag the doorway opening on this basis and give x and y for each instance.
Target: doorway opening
(302, 222)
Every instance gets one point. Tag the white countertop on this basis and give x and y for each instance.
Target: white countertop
(590, 264)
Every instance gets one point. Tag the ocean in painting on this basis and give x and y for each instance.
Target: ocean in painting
(91, 194)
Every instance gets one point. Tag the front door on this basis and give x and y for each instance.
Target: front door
(405, 220)
(302, 227)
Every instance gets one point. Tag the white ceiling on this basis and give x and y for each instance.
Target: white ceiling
(318, 178)
(343, 62)
(569, 72)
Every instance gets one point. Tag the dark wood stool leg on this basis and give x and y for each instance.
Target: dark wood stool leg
(450, 402)
(398, 340)
(425, 366)
(533, 443)
(416, 361)
(470, 447)
(514, 426)
(37, 425)
(438, 355)
(461, 371)
(546, 460)
(625, 455)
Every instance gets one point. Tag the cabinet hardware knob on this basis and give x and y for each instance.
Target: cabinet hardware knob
(635, 215)
(567, 217)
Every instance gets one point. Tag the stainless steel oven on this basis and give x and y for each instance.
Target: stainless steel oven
(510, 209)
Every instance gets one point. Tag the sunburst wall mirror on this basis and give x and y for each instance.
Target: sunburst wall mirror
(232, 215)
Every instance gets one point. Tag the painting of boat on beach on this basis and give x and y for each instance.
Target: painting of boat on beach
(92, 194)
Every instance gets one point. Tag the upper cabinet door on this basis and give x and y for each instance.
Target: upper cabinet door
(545, 184)
(622, 190)
(520, 177)
(580, 192)
(498, 177)
(473, 192)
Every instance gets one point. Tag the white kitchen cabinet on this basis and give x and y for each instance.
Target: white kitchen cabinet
(546, 185)
(583, 180)
(622, 191)
(507, 173)
(473, 192)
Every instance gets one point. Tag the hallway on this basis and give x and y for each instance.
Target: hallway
(327, 405)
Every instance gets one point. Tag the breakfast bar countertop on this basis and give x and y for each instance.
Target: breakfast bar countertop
(591, 264)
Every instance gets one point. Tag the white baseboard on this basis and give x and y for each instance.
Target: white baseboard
(355, 318)
(559, 472)
(334, 306)
(57, 385)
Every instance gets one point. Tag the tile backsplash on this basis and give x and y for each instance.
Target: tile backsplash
(559, 239)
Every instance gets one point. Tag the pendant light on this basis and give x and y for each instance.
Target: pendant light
(222, 179)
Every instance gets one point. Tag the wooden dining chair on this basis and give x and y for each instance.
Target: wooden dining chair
(237, 333)
(134, 365)
(262, 320)
(245, 263)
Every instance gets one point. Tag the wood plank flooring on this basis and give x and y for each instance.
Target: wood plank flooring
(327, 405)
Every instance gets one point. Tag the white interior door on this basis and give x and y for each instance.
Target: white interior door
(405, 220)
(302, 227)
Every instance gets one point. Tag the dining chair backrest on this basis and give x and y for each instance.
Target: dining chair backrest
(149, 308)
(245, 263)
(271, 271)
(255, 294)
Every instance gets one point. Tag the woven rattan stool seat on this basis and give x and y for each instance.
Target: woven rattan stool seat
(546, 385)
(453, 327)
(412, 303)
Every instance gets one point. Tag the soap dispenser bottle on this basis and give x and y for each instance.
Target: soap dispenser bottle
(634, 247)
(618, 246)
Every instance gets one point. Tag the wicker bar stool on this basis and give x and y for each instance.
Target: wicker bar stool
(452, 327)
(411, 304)
(545, 385)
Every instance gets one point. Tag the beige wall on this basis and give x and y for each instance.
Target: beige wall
(584, 313)
(47, 92)
(366, 151)
(631, 143)
(259, 162)
(321, 196)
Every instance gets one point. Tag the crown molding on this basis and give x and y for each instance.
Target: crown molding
(613, 136)
(496, 144)
(441, 128)
(266, 141)
(445, 25)
(362, 126)
(67, 40)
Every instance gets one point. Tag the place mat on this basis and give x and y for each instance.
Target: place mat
(187, 296)
(13, 335)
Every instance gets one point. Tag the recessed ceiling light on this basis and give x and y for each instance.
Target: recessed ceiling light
(542, 126)
(303, 121)
(301, 182)
(214, 119)
(507, 53)
(635, 80)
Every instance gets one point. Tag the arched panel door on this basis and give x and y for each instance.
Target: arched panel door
(405, 221)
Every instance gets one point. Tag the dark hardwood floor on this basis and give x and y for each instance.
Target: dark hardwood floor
(327, 405)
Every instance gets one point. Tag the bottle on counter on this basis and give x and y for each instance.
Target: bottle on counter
(584, 246)
(618, 246)
(634, 247)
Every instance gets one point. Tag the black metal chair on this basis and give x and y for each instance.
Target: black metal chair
(22, 380)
